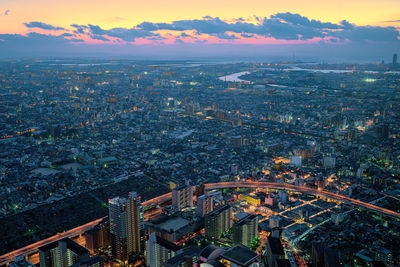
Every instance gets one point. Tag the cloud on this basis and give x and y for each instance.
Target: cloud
(99, 37)
(41, 25)
(226, 36)
(33, 41)
(281, 26)
(293, 30)
(369, 33)
(80, 29)
(7, 12)
(247, 35)
(128, 35)
(297, 19)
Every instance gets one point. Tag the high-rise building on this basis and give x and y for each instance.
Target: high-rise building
(159, 250)
(245, 230)
(283, 196)
(62, 253)
(184, 259)
(182, 196)
(99, 236)
(118, 228)
(274, 251)
(295, 160)
(218, 221)
(274, 221)
(95, 261)
(205, 204)
(323, 257)
(329, 162)
(135, 224)
(385, 132)
(394, 59)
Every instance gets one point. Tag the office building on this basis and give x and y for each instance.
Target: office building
(394, 59)
(62, 253)
(245, 230)
(182, 196)
(118, 228)
(218, 221)
(135, 223)
(205, 204)
(159, 250)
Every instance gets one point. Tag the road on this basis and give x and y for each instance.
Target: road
(304, 189)
(73, 232)
(34, 247)
(167, 197)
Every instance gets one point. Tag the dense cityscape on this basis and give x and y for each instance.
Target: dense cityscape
(199, 163)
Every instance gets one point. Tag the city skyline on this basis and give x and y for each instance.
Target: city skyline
(199, 133)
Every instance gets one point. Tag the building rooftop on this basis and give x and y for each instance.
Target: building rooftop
(246, 219)
(20, 261)
(189, 252)
(240, 254)
(219, 210)
(166, 244)
(172, 224)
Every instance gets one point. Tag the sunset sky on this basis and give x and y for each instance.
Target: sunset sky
(209, 27)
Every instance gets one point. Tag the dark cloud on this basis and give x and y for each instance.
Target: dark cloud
(346, 25)
(226, 36)
(34, 44)
(41, 25)
(286, 26)
(369, 33)
(247, 35)
(128, 35)
(297, 19)
(99, 37)
(79, 28)
(66, 35)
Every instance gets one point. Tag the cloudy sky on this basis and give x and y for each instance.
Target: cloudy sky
(323, 29)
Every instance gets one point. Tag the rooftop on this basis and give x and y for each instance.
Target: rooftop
(240, 254)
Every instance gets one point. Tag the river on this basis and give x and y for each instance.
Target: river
(234, 77)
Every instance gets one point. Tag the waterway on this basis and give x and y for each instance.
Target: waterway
(234, 77)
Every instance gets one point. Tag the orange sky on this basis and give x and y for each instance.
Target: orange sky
(128, 13)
